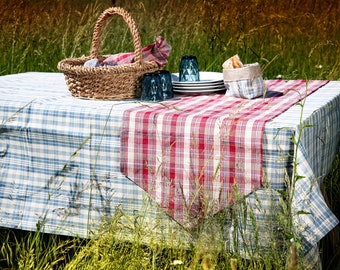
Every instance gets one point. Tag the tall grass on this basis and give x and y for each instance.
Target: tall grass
(290, 39)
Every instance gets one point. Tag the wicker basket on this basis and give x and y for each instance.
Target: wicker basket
(107, 82)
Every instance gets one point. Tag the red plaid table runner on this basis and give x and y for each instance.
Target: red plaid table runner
(194, 154)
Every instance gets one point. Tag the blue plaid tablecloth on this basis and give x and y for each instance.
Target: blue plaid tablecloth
(59, 165)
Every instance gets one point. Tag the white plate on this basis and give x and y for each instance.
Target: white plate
(198, 87)
(206, 78)
(196, 93)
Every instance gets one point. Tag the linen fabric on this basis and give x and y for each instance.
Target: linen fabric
(60, 162)
(157, 52)
(194, 154)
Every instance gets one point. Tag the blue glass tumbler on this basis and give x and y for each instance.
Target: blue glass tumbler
(152, 88)
(188, 70)
(166, 83)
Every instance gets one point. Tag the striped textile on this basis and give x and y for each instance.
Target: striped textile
(190, 154)
(60, 162)
(158, 52)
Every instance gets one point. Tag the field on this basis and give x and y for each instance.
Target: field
(294, 39)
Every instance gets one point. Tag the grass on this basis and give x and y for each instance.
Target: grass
(290, 40)
(293, 39)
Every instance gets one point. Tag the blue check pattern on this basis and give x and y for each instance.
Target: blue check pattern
(60, 160)
(250, 88)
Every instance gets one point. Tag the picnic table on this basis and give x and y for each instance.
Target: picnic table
(68, 164)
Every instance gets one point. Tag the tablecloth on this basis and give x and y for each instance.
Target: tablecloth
(191, 154)
(59, 164)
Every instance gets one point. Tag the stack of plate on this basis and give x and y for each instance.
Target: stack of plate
(209, 82)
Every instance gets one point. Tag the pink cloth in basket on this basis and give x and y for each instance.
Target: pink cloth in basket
(157, 52)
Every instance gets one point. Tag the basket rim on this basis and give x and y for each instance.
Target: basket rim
(76, 65)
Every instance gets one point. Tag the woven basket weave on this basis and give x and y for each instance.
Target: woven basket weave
(107, 82)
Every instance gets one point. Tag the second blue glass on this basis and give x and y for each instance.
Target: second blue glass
(188, 70)
(166, 82)
(152, 88)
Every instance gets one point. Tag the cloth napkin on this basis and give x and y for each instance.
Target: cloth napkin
(158, 52)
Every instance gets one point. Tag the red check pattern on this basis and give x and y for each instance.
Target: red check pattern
(193, 153)
(158, 52)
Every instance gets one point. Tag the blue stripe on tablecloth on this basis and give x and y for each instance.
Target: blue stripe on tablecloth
(48, 140)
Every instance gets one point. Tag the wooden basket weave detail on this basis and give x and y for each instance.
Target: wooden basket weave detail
(107, 82)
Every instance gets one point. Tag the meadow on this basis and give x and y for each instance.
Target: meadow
(293, 39)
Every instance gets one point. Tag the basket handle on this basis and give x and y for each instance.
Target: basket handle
(130, 22)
